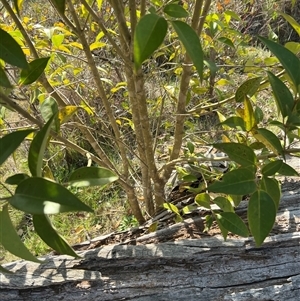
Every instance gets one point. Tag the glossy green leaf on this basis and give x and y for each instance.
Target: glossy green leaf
(239, 182)
(292, 22)
(10, 51)
(235, 122)
(261, 215)
(9, 238)
(272, 187)
(283, 96)
(289, 61)
(271, 168)
(269, 139)
(48, 234)
(92, 176)
(287, 170)
(240, 153)
(4, 81)
(203, 199)
(175, 11)
(248, 88)
(224, 204)
(233, 223)
(35, 70)
(10, 142)
(16, 179)
(37, 149)
(59, 5)
(41, 196)
(149, 34)
(191, 43)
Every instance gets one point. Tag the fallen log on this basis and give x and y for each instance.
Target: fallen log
(207, 268)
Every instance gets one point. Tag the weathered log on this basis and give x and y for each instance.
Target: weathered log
(194, 269)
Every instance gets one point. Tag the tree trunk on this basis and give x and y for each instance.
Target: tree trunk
(190, 269)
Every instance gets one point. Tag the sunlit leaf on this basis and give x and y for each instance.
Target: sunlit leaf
(40, 196)
(10, 142)
(149, 34)
(240, 153)
(203, 199)
(191, 43)
(57, 39)
(289, 60)
(66, 113)
(35, 70)
(48, 234)
(233, 223)
(9, 238)
(261, 215)
(175, 11)
(234, 122)
(37, 149)
(282, 94)
(239, 182)
(97, 45)
(269, 139)
(18, 6)
(248, 88)
(171, 207)
(91, 176)
(224, 204)
(292, 21)
(249, 117)
(10, 51)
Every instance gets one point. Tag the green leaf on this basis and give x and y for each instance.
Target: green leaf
(149, 34)
(10, 142)
(35, 70)
(37, 149)
(10, 51)
(224, 231)
(259, 115)
(224, 204)
(49, 108)
(240, 153)
(203, 199)
(270, 140)
(234, 122)
(16, 179)
(191, 43)
(282, 94)
(261, 215)
(289, 61)
(171, 207)
(91, 176)
(239, 182)
(188, 209)
(59, 5)
(9, 238)
(48, 234)
(236, 199)
(287, 170)
(248, 88)
(271, 168)
(41, 196)
(272, 187)
(4, 81)
(292, 21)
(233, 223)
(175, 11)
(226, 41)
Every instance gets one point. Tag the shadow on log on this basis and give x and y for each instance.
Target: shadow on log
(199, 269)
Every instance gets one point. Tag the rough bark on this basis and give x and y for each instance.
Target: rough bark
(194, 269)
